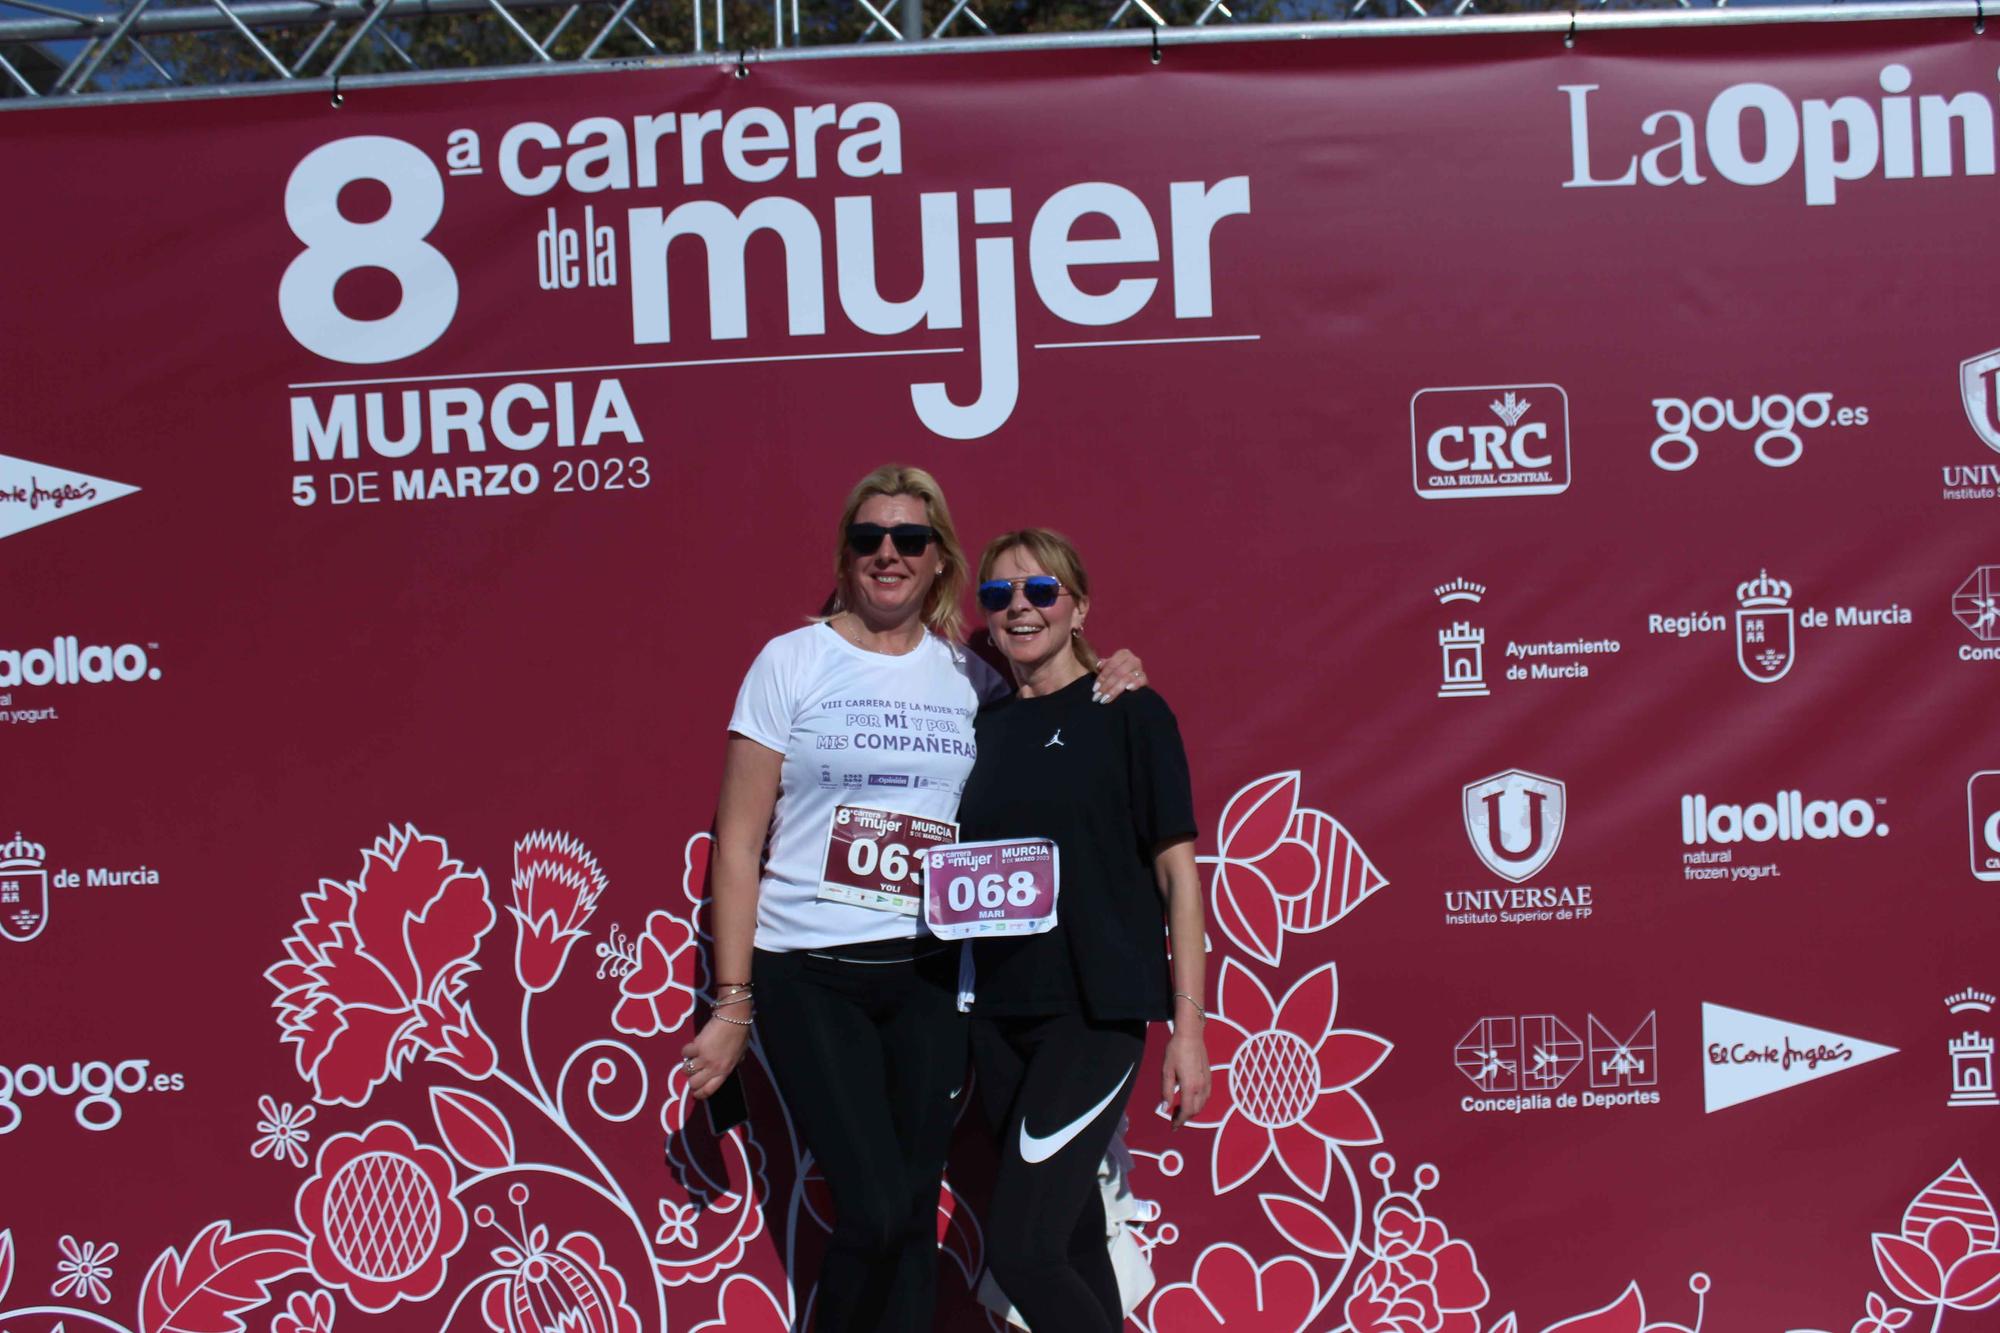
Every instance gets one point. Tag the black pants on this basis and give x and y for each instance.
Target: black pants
(1054, 1087)
(869, 1055)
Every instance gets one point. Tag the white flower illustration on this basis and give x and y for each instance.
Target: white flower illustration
(85, 1271)
(677, 1222)
(283, 1127)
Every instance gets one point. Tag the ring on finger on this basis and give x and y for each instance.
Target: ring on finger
(688, 1064)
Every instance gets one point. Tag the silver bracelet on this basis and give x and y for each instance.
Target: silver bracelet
(1183, 995)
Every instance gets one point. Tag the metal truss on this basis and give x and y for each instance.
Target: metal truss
(124, 49)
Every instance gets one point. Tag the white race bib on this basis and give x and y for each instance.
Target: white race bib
(983, 890)
(875, 858)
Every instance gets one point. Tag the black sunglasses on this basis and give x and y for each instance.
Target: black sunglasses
(910, 538)
(1041, 590)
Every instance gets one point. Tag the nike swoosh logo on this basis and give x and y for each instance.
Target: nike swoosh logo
(1035, 1149)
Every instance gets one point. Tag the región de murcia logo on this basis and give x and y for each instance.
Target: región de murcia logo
(26, 879)
(24, 889)
(1767, 625)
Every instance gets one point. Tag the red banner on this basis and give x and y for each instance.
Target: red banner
(1553, 487)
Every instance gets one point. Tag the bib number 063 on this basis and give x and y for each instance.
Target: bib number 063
(890, 860)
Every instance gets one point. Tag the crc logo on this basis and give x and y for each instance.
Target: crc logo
(1979, 390)
(1982, 800)
(1539, 1052)
(1778, 418)
(1487, 440)
(1514, 820)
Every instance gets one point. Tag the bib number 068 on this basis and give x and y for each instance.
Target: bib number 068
(989, 892)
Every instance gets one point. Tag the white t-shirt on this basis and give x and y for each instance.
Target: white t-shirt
(893, 732)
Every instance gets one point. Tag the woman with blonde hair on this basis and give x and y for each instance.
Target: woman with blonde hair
(1099, 801)
(850, 742)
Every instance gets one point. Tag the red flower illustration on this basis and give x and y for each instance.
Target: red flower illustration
(375, 971)
(568, 1289)
(694, 879)
(305, 1312)
(380, 1216)
(1948, 1252)
(1880, 1317)
(1385, 1299)
(1283, 868)
(1627, 1314)
(1418, 1253)
(1230, 1290)
(1285, 1080)
(658, 994)
(556, 886)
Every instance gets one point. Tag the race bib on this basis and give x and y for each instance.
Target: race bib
(875, 858)
(980, 890)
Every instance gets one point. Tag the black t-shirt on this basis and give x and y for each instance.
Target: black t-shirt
(1107, 783)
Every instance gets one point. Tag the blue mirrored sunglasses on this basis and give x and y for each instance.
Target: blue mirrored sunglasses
(1041, 590)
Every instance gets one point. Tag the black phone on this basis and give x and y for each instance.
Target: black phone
(726, 1107)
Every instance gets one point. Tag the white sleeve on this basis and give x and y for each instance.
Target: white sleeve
(766, 703)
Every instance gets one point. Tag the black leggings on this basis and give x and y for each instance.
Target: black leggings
(870, 1058)
(1055, 1088)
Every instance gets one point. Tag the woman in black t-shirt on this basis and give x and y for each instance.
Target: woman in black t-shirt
(1059, 1019)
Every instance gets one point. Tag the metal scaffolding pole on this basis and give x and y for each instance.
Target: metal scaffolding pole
(37, 59)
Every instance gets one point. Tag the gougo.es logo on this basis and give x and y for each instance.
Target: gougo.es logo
(1777, 419)
(97, 1083)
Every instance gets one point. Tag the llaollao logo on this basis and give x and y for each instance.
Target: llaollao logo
(68, 661)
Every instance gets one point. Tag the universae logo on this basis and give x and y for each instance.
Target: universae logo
(1515, 821)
